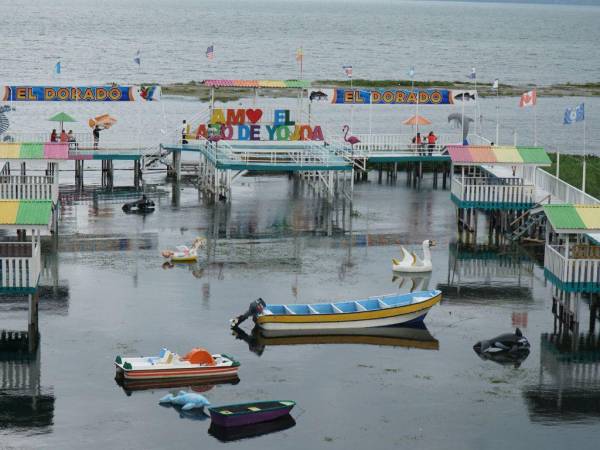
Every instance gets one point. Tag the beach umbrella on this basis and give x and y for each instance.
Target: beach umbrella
(61, 117)
(104, 121)
(416, 120)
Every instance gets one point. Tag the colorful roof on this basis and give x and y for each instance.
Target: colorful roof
(283, 84)
(485, 154)
(573, 218)
(33, 150)
(25, 212)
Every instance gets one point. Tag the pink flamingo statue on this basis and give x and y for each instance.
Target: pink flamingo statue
(350, 139)
(214, 139)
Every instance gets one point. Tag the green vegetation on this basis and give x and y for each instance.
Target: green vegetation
(571, 170)
(196, 89)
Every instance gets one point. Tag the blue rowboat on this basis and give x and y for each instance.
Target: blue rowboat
(378, 311)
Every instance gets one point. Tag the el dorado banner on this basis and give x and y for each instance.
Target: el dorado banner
(108, 93)
(395, 96)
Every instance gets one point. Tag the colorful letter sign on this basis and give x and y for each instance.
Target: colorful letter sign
(399, 96)
(253, 125)
(109, 93)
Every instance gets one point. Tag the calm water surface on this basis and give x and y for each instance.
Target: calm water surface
(427, 389)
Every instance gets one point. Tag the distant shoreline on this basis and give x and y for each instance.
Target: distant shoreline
(196, 89)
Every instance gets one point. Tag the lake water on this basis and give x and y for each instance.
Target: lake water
(424, 389)
(538, 44)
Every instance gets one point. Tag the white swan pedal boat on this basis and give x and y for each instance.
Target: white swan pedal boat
(410, 261)
(379, 311)
(198, 363)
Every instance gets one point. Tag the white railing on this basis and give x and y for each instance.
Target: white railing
(19, 264)
(492, 190)
(37, 187)
(571, 270)
(561, 190)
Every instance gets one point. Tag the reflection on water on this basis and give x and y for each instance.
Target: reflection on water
(195, 385)
(227, 434)
(569, 379)
(408, 337)
(23, 403)
(487, 271)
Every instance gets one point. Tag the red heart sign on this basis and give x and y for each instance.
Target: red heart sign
(254, 115)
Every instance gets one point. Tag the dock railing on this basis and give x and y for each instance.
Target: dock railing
(492, 190)
(19, 264)
(579, 267)
(28, 187)
(561, 190)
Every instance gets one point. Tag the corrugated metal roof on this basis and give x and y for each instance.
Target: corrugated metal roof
(8, 211)
(564, 217)
(534, 155)
(590, 215)
(34, 212)
(507, 155)
(25, 212)
(32, 150)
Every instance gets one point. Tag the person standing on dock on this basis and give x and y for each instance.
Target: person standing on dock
(431, 140)
(64, 137)
(184, 132)
(53, 136)
(96, 134)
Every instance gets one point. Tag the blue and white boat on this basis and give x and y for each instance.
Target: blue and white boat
(378, 311)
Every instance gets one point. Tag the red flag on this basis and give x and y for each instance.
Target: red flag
(528, 99)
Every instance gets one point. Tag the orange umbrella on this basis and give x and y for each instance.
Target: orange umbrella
(416, 120)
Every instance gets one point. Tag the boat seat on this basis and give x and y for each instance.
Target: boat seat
(313, 310)
(336, 309)
(360, 307)
(382, 304)
(288, 310)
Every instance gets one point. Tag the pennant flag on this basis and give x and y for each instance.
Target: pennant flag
(137, 58)
(57, 68)
(495, 85)
(210, 52)
(576, 114)
(528, 99)
(473, 74)
(348, 70)
(299, 54)
(411, 72)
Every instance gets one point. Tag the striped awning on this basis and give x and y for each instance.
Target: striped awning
(574, 219)
(485, 154)
(25, 213)
(279, 84)
(34, 150)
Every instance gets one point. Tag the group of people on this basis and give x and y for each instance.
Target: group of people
(425, 143)
(64, 137)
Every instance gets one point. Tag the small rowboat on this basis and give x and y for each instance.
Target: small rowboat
(198, 363)
(249, 413)
(228, 434)
(378, 311)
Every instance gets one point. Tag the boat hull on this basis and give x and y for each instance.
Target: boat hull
(238, 420)
(175, 373)
(405, 315)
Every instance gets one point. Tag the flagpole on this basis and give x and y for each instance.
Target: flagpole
(535, 121)
(584, 161)
(497, 115)
(352, 106)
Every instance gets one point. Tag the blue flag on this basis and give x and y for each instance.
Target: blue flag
(576, 114)
(411, 72)
(57, 68)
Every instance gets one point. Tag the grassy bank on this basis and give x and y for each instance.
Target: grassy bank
(196, 89)
(571, 171)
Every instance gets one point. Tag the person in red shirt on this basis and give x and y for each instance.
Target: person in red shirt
(64, 137)
(53, 136)
(431, 140)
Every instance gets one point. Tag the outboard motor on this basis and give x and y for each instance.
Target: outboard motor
(254, 309)
(509, 348)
